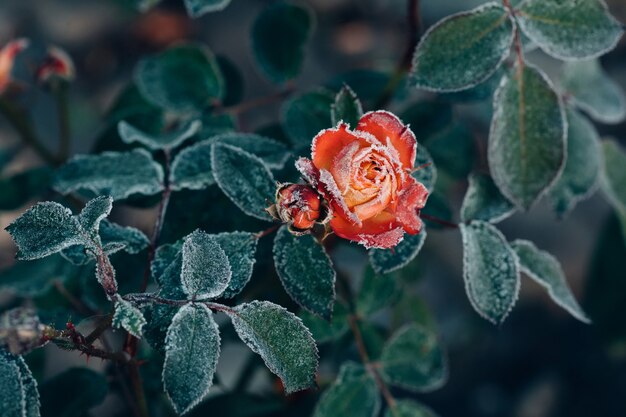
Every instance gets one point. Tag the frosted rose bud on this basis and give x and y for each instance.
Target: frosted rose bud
(298, 205)
(7, 59)
(57, 64)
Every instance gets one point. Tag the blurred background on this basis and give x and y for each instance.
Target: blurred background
(540, 363)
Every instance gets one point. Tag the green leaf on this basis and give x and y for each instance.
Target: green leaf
(385, 261)
(613, 176)
(305, 271)
(544, 269)
(527, 141)
(205, 269)
(128, 317)
(570, 30)
(490, 271)
(158, 319)
(20, 188)
(582, 166)
(36, 277)
(197, 8)
(169, 140)
(244, 178)
(281, 339)
(192, 348)
(273, 153)
(426, 172)
(376, 293)
(233, 83)
(353, 394)
(412, 359)
(240, 248)
(73, 393)
(18, 388)
(483, 201)
(118, 174)
(324, 331)
(94, 212)
(166, 270)
(409, 408)
(184, 78)
(289, 26)
(347, 107)
(463, 50)
(593, 91)
(304, 116)
(452, 149)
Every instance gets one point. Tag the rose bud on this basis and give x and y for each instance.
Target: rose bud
(365, 176)
(298, 205)
(57, 64)
(7, 60)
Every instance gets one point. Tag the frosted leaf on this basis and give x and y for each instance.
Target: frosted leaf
(240, 248)
(118, 174)
(18, 388)
(347, 107)
(376, 293)
(353, 394)
(412, 359)
(305, 271)
(593, 91)
(385, 261)
(544, 269)
(304, 116)
(582, 167)
(196, 8)
(168, 140)
(275, 154)
(425, 170)
(244, 178)
(483, 201)
(166, 266)
(128, 317)
(409, 408)
(280, 338)
(613, 177)
(490, 271)
(527, 141)
(94, 212)
(463, 50)
(570, 30)
(44, 229)
(158, 319)
(192, 348)
(324, 331)
(205, 269)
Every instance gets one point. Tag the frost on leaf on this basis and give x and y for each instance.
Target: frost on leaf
(412, 359)
(546, 270)
(613, 177)
(593, 91)
(240, 248)
(385, 261)
(166, 270)
(118, 174)
(425, 169)
(196, 8)
(273, 153)
(490, 271)
(192, 348)
(347, 108)
(483, 201)
(582, 166)
(410, 408)
(281, 339)
(94, 212)
(244, 178)
(205, 269)
(305, 115)
(527, 140)
(169, 140)
(128, 317)
(18, 388)
(305, 271)
(463, 50)
(570, 30)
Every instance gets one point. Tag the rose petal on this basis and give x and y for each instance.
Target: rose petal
(328, 143)
(410, 201)
(328, 187)
(309, 172)
(380, 231)
(386, 127)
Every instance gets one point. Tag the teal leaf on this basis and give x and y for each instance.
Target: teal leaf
(324, 331)
(590, 89)
(453, 149)
(158, 319)
(483, 201)
(385, 261)
(353, 394)
(240, 248)
(166, 268)
(545, 269)
(73, 393)
(412, 359)
(18, 388)
(347, 107)
(409, 408)
(94, 212)
(463, 50)
(205, 271)
(490, 271)
(613, 176)
(280, 338)
(117, 174)
(527, 140)
(18, 189)
(305, 115)
(169, 140)
(244, 178)
(305, 271)
(376, 293)
(570, 30)
(192, 348)
(582, 166)
(425, 169)
(128, 317)
(184, 78)
(273, 153)
(289, 26)
(36, 277)
(196, 8)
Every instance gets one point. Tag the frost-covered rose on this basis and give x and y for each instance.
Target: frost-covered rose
(298, 205)
(365, 175)
(7, 59)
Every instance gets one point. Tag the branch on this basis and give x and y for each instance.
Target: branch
(257, 102)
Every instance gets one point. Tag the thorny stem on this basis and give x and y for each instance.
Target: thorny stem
(266, 232)
(81, 343)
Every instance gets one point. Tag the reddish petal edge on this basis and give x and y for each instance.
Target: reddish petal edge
(410, 202)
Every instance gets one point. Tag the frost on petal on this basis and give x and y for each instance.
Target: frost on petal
(388, 128)
(327, 182)
(411, 200)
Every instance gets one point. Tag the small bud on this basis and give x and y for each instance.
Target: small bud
(7, 60)
(57, 64)
(298, 205)
(21, 331)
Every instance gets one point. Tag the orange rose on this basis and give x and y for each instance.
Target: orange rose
(365, 175)
(7, 58)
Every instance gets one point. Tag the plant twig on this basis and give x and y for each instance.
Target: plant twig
(246, 106)
(439, 221)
